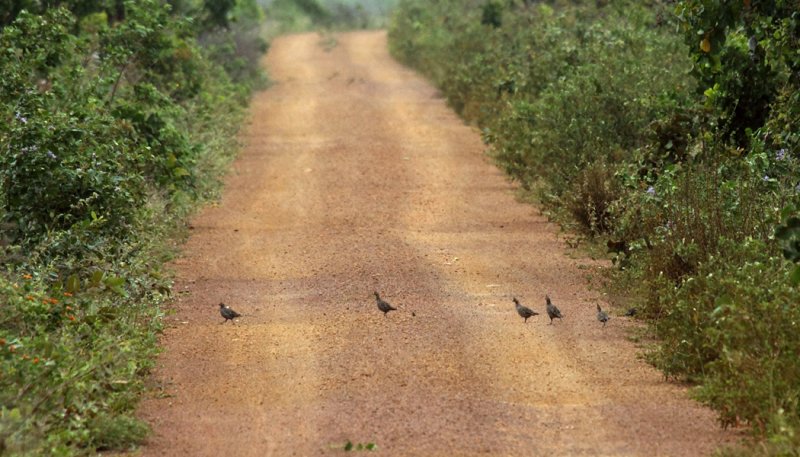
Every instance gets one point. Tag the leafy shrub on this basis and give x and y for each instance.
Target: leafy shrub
(788, 235)
(685, 156)
(744, 54)
(58, 172)
(555, 97)
(112, 131)
(68, 361)
(56, 169)
(734, 324)
(303, 15)
(691, 207)
(297, 15)
(238, 50)
(593, 193)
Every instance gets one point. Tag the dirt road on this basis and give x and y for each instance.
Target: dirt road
(358, 178)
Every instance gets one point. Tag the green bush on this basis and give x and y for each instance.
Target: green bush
(238, 47)
(684, 159)
(70, 360)
(297, 15)
(745, 54)
(553, 97)
(113, 131)
(734, 325)
(80, 140)
(59, 172)
(691, 207)
(304, 15)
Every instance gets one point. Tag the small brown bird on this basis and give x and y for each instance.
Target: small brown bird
(228, 313)
(602, 316)
(382, 305)
(552, 311)
(524, 311)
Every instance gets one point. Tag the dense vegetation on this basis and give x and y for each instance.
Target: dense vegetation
(301, 15)
(671, 131)
(117, 119)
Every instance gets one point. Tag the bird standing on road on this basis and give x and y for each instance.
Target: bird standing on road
(228, 313)
(552, 311)
(602, 316)
(382, 305)
(524, 311)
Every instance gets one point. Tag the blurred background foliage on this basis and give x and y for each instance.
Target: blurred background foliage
(300, 15)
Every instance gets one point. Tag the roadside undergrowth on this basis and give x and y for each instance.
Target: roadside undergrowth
(668, 132)
(117, 124)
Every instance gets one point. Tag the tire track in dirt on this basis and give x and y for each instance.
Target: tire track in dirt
(357, 177)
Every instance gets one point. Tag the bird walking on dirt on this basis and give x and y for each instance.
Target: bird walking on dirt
(524, 311)
(228, 313)
(552, 311)
(602, 316)
(382, 305)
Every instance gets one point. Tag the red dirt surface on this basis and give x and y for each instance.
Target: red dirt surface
(358, 178)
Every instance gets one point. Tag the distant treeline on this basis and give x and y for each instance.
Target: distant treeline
(295, 15)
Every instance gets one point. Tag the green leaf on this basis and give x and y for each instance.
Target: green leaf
(97, 276)
(794, 277)
(115, 283)
(724, 300)
(15, 414)
(371, 447)
(107, 313)
(348, 446)
(73, 284)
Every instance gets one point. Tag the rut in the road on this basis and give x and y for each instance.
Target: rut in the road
(358, 178)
